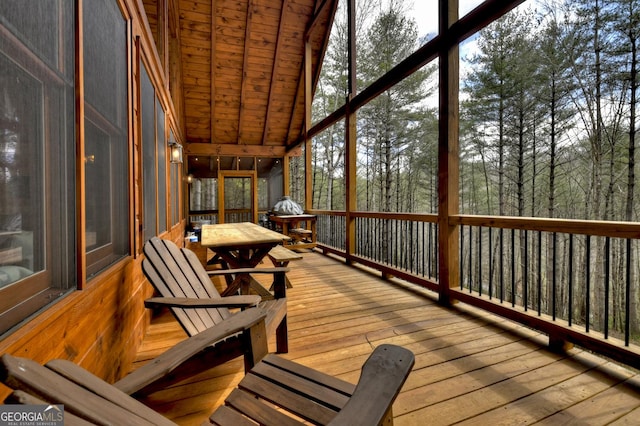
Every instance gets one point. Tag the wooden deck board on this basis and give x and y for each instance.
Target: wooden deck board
(471, 367)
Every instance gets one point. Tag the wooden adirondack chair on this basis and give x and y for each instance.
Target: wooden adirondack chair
(277, 388)
(285, 386)
(90, 400)
(185, 286)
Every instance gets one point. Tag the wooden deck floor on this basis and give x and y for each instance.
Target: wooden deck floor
(471, 367)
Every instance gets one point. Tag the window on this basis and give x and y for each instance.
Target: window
(162, 168)
(154, 159)
(37, 156)
(106, 155)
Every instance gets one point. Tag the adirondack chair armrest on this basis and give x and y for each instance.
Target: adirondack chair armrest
(24, 398)
(278, 270)
(250, 322)
(382, 377)
(247, 301)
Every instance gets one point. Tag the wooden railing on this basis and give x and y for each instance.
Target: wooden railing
(231, 216)
(574, 280)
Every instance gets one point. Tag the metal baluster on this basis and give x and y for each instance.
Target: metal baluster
(461, 256)
(501, 265)
(525, 271)
(513, 268)
(553, 278)
(470, 258)
(490, 263)
(587, 282)
(539, 273)
(607, 266)
(479, 279)
(627, 291)
(570, 283)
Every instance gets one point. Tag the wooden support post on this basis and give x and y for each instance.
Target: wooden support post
(351, 140)
(308, 98)
(286, 175)
(448, 162)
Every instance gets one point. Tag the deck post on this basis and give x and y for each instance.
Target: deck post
(351, 139)
(308, 99)
(448, 149)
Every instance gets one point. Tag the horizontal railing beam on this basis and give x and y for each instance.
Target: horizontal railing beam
(570, 226)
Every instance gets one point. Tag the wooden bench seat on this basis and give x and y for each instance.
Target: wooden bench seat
(300, 231)
(281, 254)
(280, 257)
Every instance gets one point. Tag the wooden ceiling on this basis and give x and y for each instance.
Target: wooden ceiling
(242, 67)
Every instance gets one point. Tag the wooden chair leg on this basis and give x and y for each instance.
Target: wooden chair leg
(278, 264)
(282, 340)
(255, 345)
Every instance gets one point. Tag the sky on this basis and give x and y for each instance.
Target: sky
(427, 17)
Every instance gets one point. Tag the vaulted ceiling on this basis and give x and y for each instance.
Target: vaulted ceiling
(242, 67)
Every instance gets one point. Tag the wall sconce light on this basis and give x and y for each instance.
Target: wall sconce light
(176, 152)
(189, 178)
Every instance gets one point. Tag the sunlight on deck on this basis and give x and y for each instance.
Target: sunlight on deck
(471, 367)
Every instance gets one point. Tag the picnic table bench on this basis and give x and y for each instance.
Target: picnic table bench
(280, 257)
(301, 238)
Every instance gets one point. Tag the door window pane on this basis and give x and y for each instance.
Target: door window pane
(238, 199)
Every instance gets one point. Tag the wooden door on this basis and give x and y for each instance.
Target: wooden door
(238, 196)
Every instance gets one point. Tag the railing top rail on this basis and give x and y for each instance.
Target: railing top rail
(417, 217)
(327, 212)
(600, 228)
(572, 226)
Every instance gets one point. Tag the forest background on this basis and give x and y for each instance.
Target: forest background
(548, 114)
(548, 120)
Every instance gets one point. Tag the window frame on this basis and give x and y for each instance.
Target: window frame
(94, 261)
(53, 230)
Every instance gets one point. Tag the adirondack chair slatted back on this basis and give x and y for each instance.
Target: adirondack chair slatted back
(174, 275)
(93, 400)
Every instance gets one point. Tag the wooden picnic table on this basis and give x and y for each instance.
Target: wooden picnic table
(301, 238)
(241, 245)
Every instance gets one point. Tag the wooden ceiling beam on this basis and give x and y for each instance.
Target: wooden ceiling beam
(209, 149)
(322, 50)
(245, 65)
(274, 74)
(294, 104)
(316, 16)
(320, 8)
(212, 101)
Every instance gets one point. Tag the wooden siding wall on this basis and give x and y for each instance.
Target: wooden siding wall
(101, 326)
